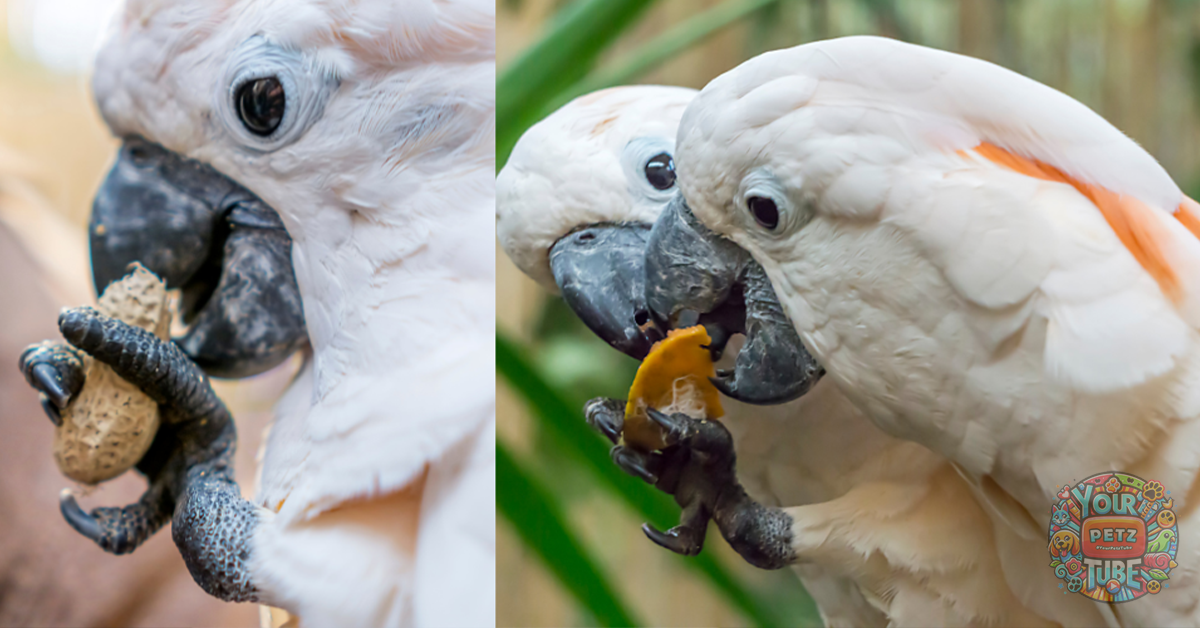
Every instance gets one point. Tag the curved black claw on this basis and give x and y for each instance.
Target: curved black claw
(644, 465)
(682, 539)
(50, 382)
(53, 369)
(119, 530)
(677, 427)
(50, 409)
(83, 523)
(607, 416)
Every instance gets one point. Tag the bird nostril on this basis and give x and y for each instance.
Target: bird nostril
(641, 317)
(586, 236)
(139, 155)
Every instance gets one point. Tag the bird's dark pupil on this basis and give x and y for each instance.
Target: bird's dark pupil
(765, 211)
(660, 171)
(260, 105)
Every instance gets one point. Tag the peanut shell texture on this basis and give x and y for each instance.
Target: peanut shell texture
(110, 424)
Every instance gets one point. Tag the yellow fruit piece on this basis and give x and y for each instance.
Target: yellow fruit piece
(110, 424)
(672, 378)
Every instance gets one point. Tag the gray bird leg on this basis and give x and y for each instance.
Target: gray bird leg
(55, 370)
(760, 534)
(120, 530)
(212, 529)
(660, 469)
(698, 468)
(189, 464)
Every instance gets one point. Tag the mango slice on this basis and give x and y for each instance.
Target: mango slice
(672, 378)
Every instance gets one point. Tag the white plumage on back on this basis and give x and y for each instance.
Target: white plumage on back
(982, 263)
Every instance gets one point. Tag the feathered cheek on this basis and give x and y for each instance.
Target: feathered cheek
(431, 130)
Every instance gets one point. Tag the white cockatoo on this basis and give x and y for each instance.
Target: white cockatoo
(982, 264)
(314, 175)
(891, 534)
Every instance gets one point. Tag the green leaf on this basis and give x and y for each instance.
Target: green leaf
(660, 49)
(561, 57)
(520, 109)
(536, 518)
(564, 426)
(1158, 574)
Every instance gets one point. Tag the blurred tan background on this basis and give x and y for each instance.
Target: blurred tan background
(1134, 61)
(54, 150)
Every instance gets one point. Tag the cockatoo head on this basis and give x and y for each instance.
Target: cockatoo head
(575, 206)
(578, 195)
(743, 197)
(274, 149)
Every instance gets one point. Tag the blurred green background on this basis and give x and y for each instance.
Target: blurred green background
(570, 551)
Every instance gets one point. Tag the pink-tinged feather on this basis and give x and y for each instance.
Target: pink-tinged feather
(1135, 223)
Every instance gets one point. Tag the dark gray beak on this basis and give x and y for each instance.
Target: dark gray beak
(695, 276)
(600, 272)
(201, 232)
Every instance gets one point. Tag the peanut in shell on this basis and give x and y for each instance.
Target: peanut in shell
(110, 424)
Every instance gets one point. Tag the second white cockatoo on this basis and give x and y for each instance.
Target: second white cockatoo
(890, 534)
(312, 175)
(981, 263)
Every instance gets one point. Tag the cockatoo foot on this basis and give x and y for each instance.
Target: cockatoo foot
(698, 468)
(607, 416)
(55, 370)
(682, 539)
(708, 486)
(212, 528)
(188, 466)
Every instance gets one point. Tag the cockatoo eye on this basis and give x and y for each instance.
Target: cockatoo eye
(260, 105)
(765, 212)
(660, 171)
(269, 95)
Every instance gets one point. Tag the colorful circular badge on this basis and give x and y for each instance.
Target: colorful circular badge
(1113, 537)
